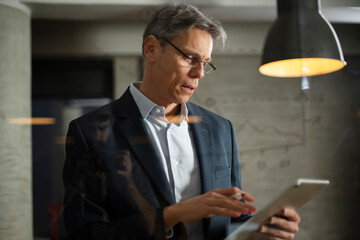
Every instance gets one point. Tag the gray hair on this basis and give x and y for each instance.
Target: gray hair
(171, 20)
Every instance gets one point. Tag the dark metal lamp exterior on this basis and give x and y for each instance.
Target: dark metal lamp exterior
(301, 42)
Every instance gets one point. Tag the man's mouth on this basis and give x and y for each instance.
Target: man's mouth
(189, 89)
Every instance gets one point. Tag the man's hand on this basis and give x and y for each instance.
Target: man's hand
(215, 202)
(283, 225)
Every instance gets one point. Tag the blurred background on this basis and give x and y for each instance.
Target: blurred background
(63, 58)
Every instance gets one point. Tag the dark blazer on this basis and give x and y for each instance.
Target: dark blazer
(115, 185)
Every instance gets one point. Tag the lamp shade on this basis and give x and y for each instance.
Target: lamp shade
(301, 42)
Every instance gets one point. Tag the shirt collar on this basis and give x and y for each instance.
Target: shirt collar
(148, 107)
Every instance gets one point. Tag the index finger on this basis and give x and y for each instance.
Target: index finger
(230, 192)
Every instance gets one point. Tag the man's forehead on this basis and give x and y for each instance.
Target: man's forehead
(194, 37)
(193, 31)
(197, 42)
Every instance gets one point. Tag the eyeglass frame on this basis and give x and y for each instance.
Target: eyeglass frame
(205, 63)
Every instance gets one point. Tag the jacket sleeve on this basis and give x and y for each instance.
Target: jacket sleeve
(87, 212)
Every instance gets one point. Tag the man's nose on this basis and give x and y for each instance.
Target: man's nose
(198, 71)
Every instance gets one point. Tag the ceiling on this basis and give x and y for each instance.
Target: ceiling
(336, 11)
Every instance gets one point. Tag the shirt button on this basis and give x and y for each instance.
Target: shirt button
(157, 110)
(180, 197)
(176, 162)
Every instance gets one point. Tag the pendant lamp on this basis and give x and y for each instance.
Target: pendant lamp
(301, 42)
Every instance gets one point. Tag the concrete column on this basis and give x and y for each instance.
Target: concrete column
(127, 69)
(15, 139)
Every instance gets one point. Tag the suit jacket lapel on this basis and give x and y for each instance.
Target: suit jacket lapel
(202, 138)
(130, 124)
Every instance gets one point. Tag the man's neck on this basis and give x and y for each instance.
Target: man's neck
(172, 111)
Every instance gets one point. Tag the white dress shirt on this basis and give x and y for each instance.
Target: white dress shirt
(174, 143)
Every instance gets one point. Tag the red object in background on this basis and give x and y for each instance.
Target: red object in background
(55, 212)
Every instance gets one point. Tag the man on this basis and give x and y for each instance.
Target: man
(169, 167)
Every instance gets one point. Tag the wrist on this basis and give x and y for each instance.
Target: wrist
(170, 217)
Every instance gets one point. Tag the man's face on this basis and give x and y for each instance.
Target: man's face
(175, 80)
(102, 130)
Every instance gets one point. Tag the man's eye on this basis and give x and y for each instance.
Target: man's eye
(194, 60)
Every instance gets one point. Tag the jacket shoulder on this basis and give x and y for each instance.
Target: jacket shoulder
(196, 110)
(122, 107)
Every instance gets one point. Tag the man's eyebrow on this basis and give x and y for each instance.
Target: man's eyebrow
(198, 56)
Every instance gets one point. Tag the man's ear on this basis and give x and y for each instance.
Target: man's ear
(151, 48)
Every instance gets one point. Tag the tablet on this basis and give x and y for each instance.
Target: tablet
(294, 196)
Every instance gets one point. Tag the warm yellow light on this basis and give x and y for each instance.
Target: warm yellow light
(300, 67)
(62, 140)
(31, 121)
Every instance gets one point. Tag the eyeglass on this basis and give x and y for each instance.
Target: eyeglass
(194, 61)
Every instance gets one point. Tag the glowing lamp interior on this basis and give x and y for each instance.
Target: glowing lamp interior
(300, 67)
